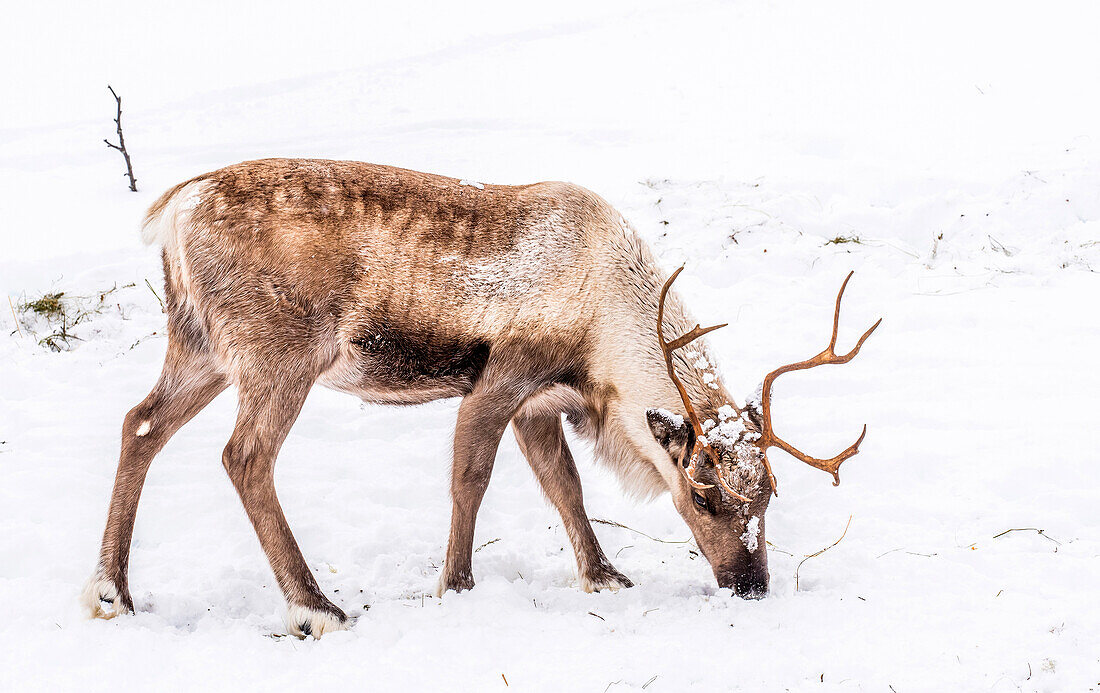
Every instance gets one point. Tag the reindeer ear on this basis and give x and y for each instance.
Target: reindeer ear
(671, 431)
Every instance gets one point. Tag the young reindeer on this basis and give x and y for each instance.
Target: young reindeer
(399, 287)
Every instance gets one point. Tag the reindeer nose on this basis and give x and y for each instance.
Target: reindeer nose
(750, 584)
(753, 585)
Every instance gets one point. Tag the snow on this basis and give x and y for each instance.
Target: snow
(957, 143)
(673, 418)
(730, 429)
(751, 536)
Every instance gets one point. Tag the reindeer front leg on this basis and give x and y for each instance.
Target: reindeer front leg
(482, 418)
(542, 440)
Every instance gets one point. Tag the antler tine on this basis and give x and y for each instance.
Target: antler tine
(667, 348)
(696, 333)
(836, 326)
(826, 357)
(836, 312)
(683, 340)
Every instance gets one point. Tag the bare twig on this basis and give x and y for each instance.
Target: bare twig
(646, 684)
(775, 548)
(15, 317)
(142, 339)
(911, 553)
(491, 541)
(1040, 532)
(1000, 247)
(818, 553)
(121, 146)
(155, 294)
(631, 529)
(593, 613)
(505, 679)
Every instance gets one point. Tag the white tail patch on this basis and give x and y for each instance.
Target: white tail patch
(163, 221)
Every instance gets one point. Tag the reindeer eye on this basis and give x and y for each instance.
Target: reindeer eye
(701, 502)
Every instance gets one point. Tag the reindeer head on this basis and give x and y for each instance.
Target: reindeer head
(727, 479)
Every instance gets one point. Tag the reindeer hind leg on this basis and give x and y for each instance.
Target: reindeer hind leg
(188, 382)
(269, 405)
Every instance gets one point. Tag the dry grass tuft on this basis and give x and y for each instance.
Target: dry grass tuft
(60, 313)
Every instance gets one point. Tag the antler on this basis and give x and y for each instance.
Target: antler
(667, 348)
(828, 356)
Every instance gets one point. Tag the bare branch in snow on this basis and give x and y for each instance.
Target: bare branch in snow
(818, 553)
(121, 146)
(612, 523)
(1040, 532)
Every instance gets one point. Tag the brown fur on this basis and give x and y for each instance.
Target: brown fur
(404, 287)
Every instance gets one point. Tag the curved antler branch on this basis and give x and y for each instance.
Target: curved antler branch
(667, 348)
(828, 356)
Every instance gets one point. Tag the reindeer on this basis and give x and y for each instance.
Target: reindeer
(399, 287)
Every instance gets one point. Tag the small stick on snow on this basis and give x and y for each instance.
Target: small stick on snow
(1040, 532)
(15, 317)
(775, 548)
(491, 541)
(628, 546)
(155, 294)
(911, 553)
(631, 529)
(814, 555)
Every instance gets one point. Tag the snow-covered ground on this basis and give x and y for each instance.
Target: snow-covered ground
(956, 146)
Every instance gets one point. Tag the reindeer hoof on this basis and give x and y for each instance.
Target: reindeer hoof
(454, 583)
(604, 577)
(102, 598)
(302, 621)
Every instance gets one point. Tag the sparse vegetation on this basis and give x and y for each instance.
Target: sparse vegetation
(57, 313)
(838, 240)
(48, 306)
